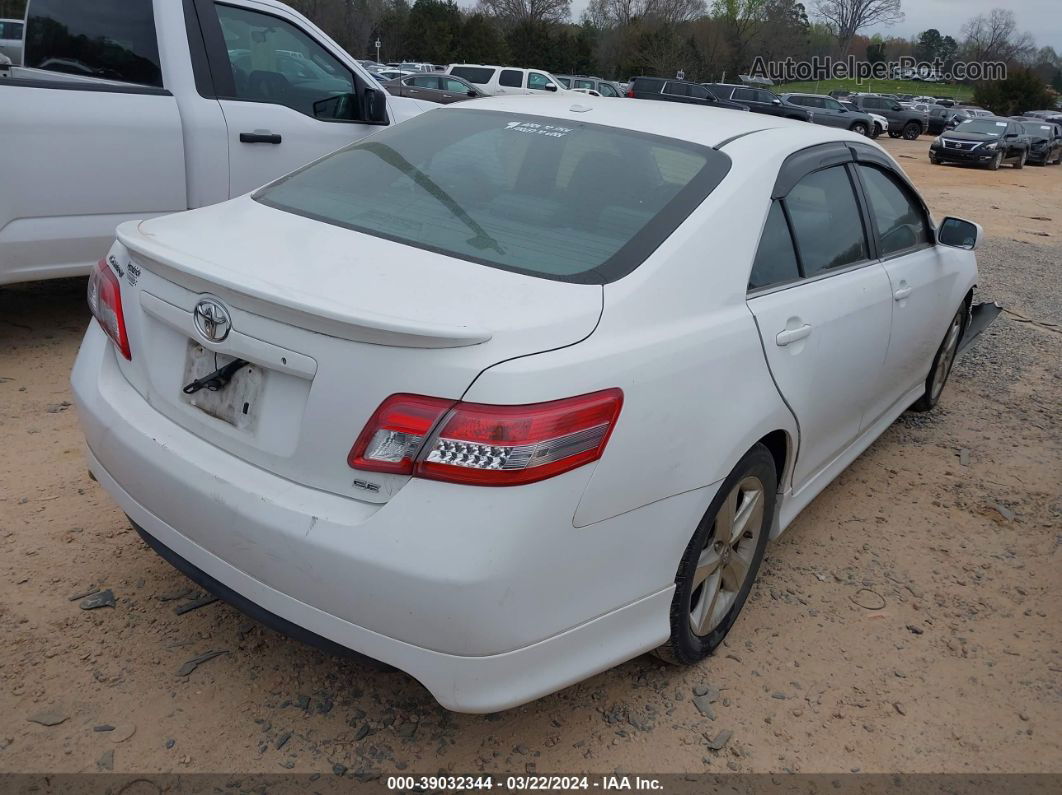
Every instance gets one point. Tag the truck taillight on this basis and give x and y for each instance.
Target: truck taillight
(105, 302)
(486, 445)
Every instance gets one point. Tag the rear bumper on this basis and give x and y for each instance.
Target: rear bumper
(489, 600)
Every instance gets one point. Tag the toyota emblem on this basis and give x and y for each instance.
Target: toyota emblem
(212, 319)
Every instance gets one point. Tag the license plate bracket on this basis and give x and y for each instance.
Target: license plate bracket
(237, 403)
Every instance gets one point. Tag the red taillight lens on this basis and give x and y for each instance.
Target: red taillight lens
(630, 93)
(486, 445)
(105, 302)
(395, 433)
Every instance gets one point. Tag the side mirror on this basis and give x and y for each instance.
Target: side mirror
(776, 101)
(551, 87)
(472, 94)
(957, 233)
(375, 106)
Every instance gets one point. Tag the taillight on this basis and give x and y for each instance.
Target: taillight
(486, 445)
(630, 93)
(105, 302)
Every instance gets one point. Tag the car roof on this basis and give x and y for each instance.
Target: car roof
(694, 123)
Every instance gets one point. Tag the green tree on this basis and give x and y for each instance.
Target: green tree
(876, 50)
(433, 28)
(481, 42)
(1022, 90)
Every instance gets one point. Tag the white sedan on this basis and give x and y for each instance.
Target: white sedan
(506, 395)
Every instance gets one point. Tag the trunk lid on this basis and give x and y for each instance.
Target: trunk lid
(331, 321)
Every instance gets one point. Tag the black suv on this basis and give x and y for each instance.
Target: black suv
(987, 141)
(758, 100)
(1045, 141)
(905, 122)
(660, 88)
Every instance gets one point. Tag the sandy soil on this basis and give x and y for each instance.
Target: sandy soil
(910, 619)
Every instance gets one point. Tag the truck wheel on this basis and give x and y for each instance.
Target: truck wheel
(911, 131)
(1021, 160)
(859, 128)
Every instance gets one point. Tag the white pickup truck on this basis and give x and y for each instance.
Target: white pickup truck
(127, 109)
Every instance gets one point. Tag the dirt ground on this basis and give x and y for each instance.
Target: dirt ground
(910, 620)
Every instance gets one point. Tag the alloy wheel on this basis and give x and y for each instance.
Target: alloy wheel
(947, 356)
(725, 563)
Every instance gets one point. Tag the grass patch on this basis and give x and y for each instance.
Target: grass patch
(917, 88)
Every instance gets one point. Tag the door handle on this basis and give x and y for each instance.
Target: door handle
(260, 138)
(902, 292)
(791, 335)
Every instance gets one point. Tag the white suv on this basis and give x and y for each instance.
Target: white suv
(506, 79)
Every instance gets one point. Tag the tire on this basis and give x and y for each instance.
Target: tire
(912, 131)
(997, 161)
(894, 134)
(935, 161)
(859, 128)
(943, 362)
(747, 493)
(1021, 160)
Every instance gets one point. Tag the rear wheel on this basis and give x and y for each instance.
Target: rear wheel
(911, 131)
(720, 563)
(942, 362)
(859, 128)
(1020, 162)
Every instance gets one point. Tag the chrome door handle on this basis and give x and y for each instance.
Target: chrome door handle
(789, 336)
(902, 292)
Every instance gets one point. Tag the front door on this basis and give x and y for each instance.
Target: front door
(276, 122)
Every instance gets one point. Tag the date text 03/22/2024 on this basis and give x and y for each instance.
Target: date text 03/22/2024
(524, 783)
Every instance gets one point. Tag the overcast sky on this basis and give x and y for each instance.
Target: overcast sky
(1041, 18)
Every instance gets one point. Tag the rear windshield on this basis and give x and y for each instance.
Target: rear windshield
(554, 198)
(479, 75)
(1039, 130)
(109, 39)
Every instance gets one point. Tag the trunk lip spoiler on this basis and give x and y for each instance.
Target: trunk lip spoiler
(375, 328)
(981, 317)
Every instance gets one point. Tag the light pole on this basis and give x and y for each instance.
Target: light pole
(377, 51)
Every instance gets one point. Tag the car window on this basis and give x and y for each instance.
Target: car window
(676, 89)
(10, 30)
(425, 81)
(259, 45)
(536, 81)
(873, 103)
(826, 221)
(565, 81)
(776, 260)
(899, 217)
(480, 75)
(744, 94)
(830, 104)
(700, 92)
(607, 90)
(766, 97)
(456, 86)
(556, 198)
(110, 39)
(511, 78)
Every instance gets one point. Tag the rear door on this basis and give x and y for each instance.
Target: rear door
(511, 81)
(271, 73)
(823, 309)
(921, 279)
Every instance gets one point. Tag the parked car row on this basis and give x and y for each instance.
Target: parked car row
(994, 141)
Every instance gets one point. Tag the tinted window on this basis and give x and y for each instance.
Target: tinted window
(776, 260)
(565, 81)
(745, 94)
(676, 89)
(765, 96)
(273, 61)
(584, 84)
(830, 104)
(899, 218)
(480, 75)
(456, 86)
(873, 103)
(554, 198)
(826, 221)
(424, 81)
(537, 81)
(700, 92)
(511, 78)
(10, 30)
(111, 39)
(607, 90)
